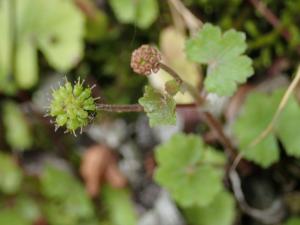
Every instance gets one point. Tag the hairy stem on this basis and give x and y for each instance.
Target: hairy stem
(185, 86)
(170, 71)
(132, 107)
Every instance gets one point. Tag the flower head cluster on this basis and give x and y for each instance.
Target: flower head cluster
(72, 106)
(145, 60)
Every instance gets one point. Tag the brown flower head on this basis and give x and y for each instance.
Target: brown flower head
(145, 60)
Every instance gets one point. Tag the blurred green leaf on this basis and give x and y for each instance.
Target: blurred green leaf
(97, 26)
(17, 131)
(10, 175)
(55, 27)
(255, 117)
(189, 170)
(220, 211)
(12, 217)
(67, 203)
(6, 84)
(27, 208)
(160, 108)
(119, 206)
(140, 13)
(223, 54)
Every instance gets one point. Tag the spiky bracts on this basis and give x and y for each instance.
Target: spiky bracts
(72, 106)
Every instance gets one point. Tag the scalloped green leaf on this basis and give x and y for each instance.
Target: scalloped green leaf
(256, 114)
(10, 175)
(191, 171)
(140, 13)
(220, 211)
(227, 66)
(160, 108)
(55, 27)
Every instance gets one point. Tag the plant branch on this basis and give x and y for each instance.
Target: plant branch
(132, 107)
(217, 127)
(191, 21)
(170, 71)
(270, 17)
(185, 86)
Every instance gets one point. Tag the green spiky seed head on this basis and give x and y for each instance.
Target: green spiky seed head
(72, 106)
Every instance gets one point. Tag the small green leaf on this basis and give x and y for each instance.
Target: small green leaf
(160, 108)
(257, 113)
(172, 87)
(17, 131)
(220, 211)
(119, 206)
(10, 175)
(140, 13)
(189, 170)
(223, 54)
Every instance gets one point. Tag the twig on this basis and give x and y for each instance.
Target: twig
(132, 107)
(217, 127)
(270, 17)
(192, 22)
(272, 215)
(87, 7)
(184, 85)
(170, 71)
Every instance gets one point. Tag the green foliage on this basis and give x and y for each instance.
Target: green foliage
(140, 13)
(223, 54)
(220, 211)
(293, 221)
(67, 202)
(72, 105)
(10, 175)
(23, 211)
(257, 113)
(17, 131)
(97, 26)
(53, 27)
(12, 217)
(27, 208)
(160, 108)
(6, 84)
(189, 170)
(119, 206)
